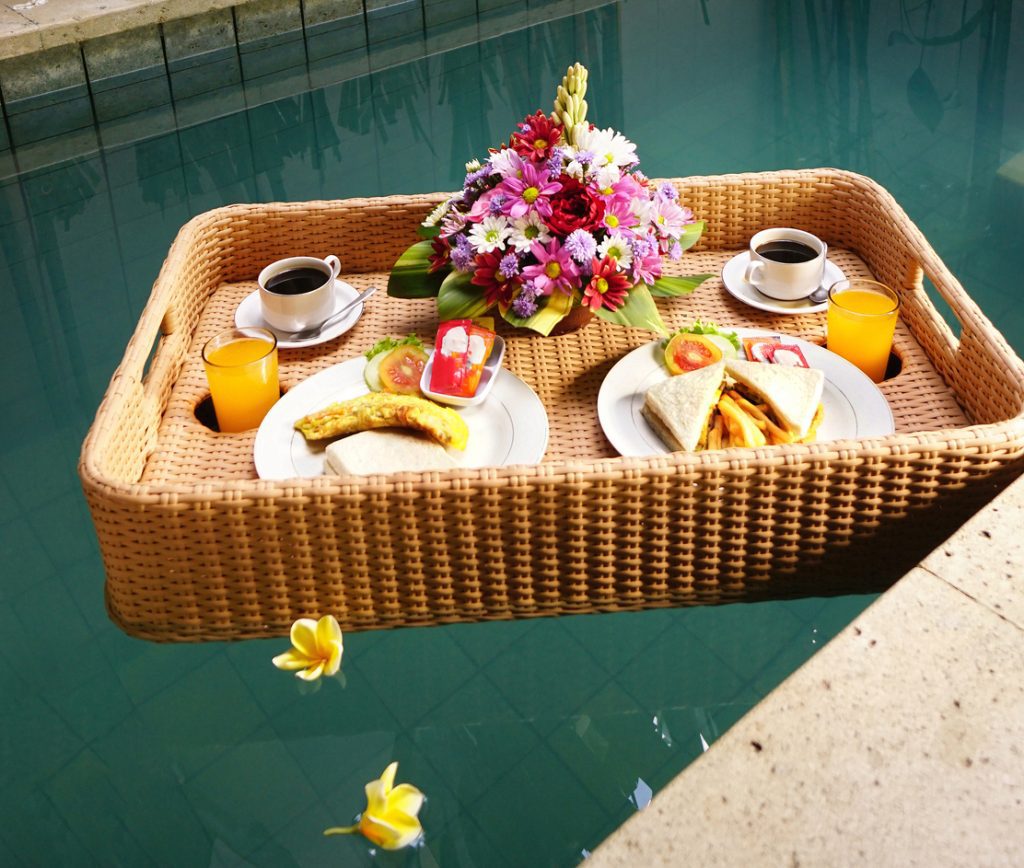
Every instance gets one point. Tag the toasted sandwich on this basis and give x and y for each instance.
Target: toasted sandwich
(385, 450)
(793, 394)
(679, 409)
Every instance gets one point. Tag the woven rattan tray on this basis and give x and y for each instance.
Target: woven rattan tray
(196, 547)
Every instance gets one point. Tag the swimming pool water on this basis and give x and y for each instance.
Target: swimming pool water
(533, 740)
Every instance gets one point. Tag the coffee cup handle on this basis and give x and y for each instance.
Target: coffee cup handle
(752, 274)
(335, 264)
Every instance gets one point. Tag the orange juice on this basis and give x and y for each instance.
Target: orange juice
(241, 367)
(861, 321)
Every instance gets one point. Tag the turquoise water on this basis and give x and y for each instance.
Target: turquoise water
(533, 740)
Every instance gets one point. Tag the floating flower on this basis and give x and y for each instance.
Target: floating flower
(316, 648)
(390, 820)
(608, 287)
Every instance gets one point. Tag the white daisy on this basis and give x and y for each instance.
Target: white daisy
(528, 229)
(574, 170)
(489, 234)
(610, 148)
(617, 248)
(607, 176)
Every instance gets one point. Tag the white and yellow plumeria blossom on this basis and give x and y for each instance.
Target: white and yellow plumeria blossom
(389, 820)
(316, 648)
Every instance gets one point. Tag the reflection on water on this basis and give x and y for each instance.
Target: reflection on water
(533, 739)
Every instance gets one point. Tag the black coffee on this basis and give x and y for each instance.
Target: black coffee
(296, 281)
(787, 251)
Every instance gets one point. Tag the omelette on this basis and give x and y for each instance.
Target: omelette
(386, 410)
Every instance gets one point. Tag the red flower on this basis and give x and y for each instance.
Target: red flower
(441, 256)
(608, 286)
(538, 135)
(573, 207)
(498, 289)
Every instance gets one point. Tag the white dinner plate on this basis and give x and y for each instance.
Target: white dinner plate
(510, 427)
(249, 313)
(854, 406)
(738, 287)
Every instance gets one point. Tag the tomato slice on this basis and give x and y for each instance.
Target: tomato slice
(686, 352)
(400, 370)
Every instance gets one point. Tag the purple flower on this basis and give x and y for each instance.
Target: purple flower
(581, 245)
(585, 157)
(509, 266)
(496, 203)
(478, 175)
(525, 304)
(675, 251)
(462, 254)
(668, 192)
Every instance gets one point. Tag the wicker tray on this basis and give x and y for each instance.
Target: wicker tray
(196, 547)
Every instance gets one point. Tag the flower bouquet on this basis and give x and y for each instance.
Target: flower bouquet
(558, 218)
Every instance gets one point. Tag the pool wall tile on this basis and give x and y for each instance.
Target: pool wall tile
(198, 37)
(436, 12)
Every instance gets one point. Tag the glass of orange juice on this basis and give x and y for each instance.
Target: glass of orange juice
(241, 368)
(861, 322)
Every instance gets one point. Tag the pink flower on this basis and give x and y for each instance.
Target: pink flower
(554, 269)
(668, 218)
(618, 217)
(529, 191)
(646, 261)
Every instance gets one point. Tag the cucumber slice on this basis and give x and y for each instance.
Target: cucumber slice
(725, 345)
(371, 375)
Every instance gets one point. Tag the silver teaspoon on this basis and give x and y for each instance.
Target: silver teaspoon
(315, 331)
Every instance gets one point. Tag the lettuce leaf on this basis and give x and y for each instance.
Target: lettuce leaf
(708, 328)
(389, 343)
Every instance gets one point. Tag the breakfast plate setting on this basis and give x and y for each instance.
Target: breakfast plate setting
(248, 314)
(510, 427)
(739, 288)
(853, 405)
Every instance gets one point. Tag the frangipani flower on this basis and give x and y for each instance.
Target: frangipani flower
(390, 820)
(316, 648)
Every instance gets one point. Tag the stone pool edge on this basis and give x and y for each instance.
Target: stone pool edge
(901, 742)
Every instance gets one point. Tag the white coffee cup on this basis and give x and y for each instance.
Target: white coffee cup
(787, 264)
(292, 297)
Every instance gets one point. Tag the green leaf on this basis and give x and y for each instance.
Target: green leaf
(546, 317)
(671, 287)
(459, 298)
(410, 276)
(700, 327)
(639, 311)
(428, 232)
(691, 234)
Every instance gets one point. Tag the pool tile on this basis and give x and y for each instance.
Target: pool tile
(521, 673)
(335, 37)
(265, 19)
(85, 797)
(426, 663)
(482, 642)
(480, 736)
(59, 846)
(302, 842)
(28, 561)
(204, 713)
(255, 784)
(613, 640)
(30, 721)
(545, 819)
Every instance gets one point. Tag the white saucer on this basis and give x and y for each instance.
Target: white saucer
(249, 313)
(737, 287)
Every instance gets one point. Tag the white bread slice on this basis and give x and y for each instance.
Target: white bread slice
(385, 450)
(678, 408)
(792, 393)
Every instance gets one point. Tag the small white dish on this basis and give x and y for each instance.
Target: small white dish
(487, 377)
(249, 313)
(737, 286)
